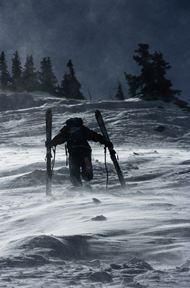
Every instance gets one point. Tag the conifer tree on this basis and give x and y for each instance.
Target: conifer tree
(151, 83)
(120, 95)
(133, 84)
(4, 74)
(70, 86)
(16, 72)
(47, 77)
(162, 86)
(29, 76)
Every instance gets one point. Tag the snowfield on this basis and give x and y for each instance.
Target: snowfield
(133, 237)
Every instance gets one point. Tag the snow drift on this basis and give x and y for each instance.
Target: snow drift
(62, 241)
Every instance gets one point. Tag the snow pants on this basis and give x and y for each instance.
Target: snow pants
(80, 164)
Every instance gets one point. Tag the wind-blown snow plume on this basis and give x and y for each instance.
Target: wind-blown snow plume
(79, 237)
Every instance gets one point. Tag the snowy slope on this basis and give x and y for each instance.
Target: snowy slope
(142, 236)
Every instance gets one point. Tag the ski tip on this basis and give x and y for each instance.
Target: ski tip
(48, 111)
(97, 112)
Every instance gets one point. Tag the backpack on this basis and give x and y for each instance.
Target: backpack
(76, 137)
(74, 122)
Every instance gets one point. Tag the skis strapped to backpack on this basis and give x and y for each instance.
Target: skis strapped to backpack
(48, 151)
(101, 124)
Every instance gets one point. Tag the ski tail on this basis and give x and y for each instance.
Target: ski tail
(112, 152)
(48, 151)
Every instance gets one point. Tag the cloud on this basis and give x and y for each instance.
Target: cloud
(99, 35)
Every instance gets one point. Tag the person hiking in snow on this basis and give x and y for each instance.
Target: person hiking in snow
(76, 136)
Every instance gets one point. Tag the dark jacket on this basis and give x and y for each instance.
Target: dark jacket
(77, 137)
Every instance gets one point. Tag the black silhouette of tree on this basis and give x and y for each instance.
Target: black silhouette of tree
(70, 86)
(4, 74)
(47, 77)
(151, 83)
(16, 72)
(120, 95)
(29, 75)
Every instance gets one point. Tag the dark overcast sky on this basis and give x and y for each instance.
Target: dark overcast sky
(99, 35)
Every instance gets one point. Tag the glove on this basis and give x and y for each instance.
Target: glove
(109, 144)
(49, 144)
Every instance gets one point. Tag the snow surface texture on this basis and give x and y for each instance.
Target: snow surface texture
(137, 237)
